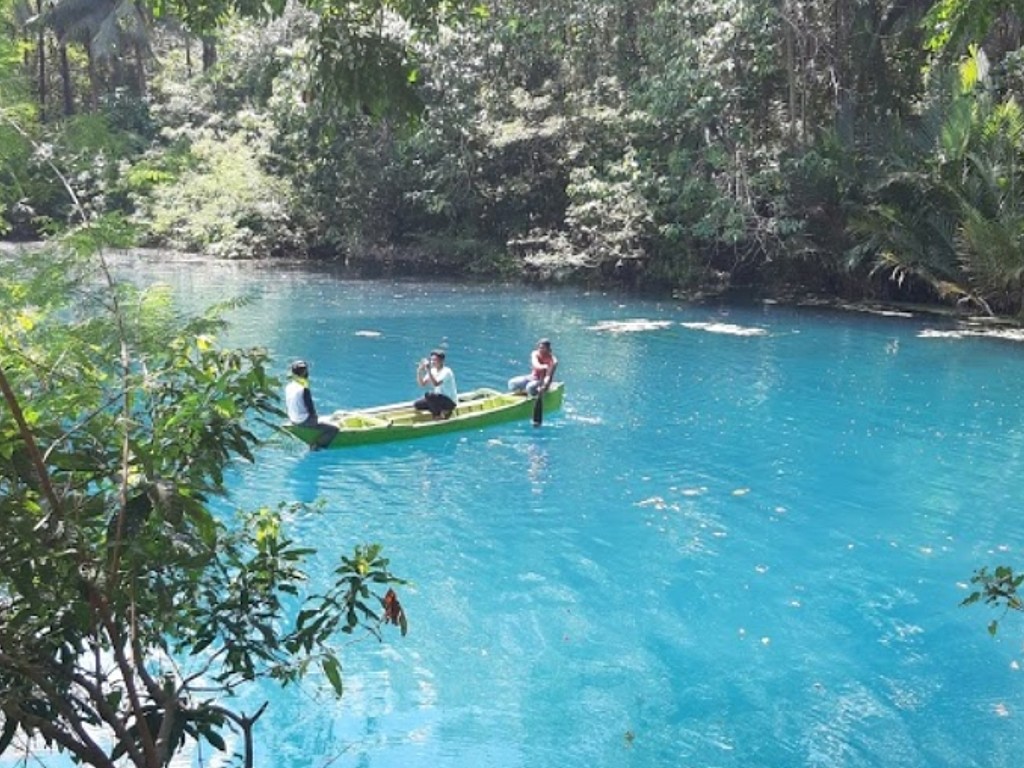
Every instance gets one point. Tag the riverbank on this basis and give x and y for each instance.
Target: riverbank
(401, 264)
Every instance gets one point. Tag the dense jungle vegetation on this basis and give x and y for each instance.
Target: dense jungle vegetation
(854, 148)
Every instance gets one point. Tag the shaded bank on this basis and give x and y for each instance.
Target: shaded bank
(415, 263)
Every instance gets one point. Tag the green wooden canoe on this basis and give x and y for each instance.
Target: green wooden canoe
(400, 421)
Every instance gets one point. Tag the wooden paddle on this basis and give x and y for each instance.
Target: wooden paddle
(538, 408)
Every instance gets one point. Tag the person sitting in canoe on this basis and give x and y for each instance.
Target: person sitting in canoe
(298, 402)
(543, 364)
(440, 379)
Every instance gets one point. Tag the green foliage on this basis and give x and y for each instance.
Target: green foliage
(33, 200)
(779, 142)
(88, 147)
(92, 151)
(994, 257)
(12, 85)
(720, 61)
(608, 217)
(364, 68)
(950, 208)
(954, 24)
(524, 167)
(15, 152)
(905, 220)
(222, 201)
(254, 60)
(16, 110)
(716, 186)
(945, 205)
(205, 16)
(999, 588)
(119, 420)
(363, 53)
(345, 174)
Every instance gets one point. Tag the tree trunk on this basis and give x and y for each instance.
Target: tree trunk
(845, 105)
(791, 78)
(65, 76)
(41, 82)
(94, 78)
(140, 68)
(209, 53)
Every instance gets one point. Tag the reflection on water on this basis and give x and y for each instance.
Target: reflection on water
(729, 548)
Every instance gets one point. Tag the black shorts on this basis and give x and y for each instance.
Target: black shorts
(435, 403)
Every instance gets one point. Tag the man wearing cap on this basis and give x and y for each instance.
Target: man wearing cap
(298, 402)
(543, 364)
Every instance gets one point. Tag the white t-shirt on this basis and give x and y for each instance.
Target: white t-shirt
(295, 402)
(445, 379)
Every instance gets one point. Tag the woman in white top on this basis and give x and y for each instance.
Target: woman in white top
(443, 396)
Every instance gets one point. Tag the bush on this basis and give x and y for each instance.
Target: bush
(220, 200)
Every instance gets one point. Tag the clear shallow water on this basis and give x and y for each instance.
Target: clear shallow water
(725, 550)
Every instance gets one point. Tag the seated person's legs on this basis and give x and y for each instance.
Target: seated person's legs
(447, 406)
(435, 403)
(327, 433)
(519, 383)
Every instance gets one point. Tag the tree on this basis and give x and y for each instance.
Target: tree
(129, 610)
(947, 211)
(15, 151)
(106, 29)
(364, 52)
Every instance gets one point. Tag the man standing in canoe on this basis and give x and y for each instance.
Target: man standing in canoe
(298, 402)
(433, 373)
(543, 364)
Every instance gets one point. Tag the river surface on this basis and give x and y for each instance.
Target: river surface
(742, 542)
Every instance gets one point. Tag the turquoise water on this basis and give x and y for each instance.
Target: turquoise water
(738, 544)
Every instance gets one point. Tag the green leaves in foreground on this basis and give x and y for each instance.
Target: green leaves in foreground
(130, 608)
(999, 588)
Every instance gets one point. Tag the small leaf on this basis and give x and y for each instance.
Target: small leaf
(215, 739)
(332, 669)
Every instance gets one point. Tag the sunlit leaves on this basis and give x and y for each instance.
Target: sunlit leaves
(952, 24)
(222, 197)
(130, 417)
(974, 69)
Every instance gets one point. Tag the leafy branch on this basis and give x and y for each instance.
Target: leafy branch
(999, 588)
(128, 609)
